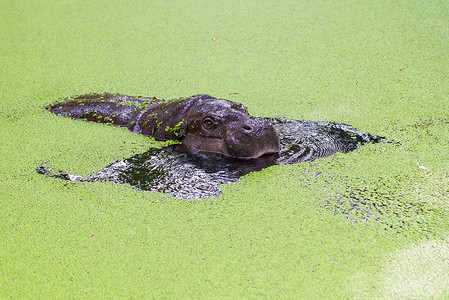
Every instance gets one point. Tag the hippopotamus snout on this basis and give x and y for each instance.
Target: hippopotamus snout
(251, 138)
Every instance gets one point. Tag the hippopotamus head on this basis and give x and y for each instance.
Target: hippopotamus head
(221, 126)
(207, 125)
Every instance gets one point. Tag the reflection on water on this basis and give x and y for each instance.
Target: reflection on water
(196, 176)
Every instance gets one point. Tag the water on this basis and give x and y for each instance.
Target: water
(186, 176)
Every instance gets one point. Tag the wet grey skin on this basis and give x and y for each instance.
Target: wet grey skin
(202, 123)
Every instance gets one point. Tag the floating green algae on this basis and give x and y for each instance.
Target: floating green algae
(286, 232)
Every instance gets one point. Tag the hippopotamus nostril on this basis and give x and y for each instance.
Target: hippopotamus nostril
(247, 127)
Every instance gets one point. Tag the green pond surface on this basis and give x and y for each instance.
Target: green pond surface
(369, 224)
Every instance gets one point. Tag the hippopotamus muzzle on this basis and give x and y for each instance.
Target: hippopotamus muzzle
(252, 138)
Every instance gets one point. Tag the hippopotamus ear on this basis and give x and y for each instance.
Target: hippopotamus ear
(201, 97)
(240, 107)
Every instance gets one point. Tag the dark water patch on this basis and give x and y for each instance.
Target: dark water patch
(309, 140)
(189, 176)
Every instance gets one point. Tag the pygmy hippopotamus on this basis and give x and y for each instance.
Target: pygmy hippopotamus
(202, 123)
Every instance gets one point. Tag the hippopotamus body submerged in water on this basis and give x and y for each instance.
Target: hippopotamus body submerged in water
(202, 123)
(219, 141)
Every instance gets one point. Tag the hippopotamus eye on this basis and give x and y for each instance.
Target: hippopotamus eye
(208, 123)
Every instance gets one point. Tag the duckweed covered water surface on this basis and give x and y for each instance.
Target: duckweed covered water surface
(371, 223)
